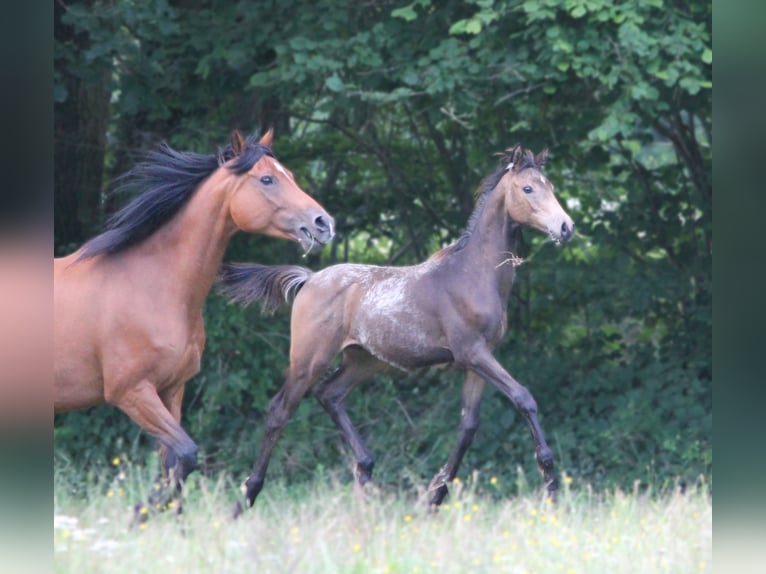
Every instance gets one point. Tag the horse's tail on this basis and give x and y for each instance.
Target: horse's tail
(272, 285)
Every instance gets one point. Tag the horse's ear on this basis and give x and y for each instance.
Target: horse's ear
(237, 143)
(516, 156)
(541, 158)
(267, 137)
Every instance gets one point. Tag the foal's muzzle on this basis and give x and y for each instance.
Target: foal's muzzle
(567, 231)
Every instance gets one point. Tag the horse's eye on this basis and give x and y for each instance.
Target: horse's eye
(527, 189)
(267, 180)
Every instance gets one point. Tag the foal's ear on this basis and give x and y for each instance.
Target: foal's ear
(267, 137)
(516, 155)
(541, 158)
(237, 143)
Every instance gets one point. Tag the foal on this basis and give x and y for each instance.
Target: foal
(449, 309)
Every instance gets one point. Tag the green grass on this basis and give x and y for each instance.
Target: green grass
(329, 526)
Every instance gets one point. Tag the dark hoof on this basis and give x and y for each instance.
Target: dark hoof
(364, 472)
(440, 492)
(250, 489)
(552, 490)
(140, 514)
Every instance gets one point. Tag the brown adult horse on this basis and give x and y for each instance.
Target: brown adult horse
(448, 309)
(128, 304)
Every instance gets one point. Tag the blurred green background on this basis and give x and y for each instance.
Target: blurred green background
(389, 113)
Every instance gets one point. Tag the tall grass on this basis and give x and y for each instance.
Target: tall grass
(329, 526)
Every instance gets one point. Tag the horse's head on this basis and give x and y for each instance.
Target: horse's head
(529, 197)
(266, 198)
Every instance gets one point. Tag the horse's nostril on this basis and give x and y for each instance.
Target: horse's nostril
(321, 223)
(564, 230)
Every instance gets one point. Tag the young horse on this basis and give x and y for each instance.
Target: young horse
(128, 326)
(449, 309)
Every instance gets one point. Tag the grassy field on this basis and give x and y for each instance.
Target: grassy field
(330, 526)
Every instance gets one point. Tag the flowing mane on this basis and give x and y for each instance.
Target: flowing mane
(167, 179)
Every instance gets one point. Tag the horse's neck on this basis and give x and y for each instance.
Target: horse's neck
(489, 253)
(190, 247)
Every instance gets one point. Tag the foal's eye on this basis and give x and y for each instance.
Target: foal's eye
(267, 180)
(527, 189)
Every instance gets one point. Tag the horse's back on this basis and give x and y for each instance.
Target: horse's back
(388, 311)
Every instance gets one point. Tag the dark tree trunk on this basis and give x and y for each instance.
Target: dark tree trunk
(80, 125)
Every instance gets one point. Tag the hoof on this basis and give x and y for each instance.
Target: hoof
(140, 514)
(440, 492)
(552, 490)
(250, 488)
(363, 472)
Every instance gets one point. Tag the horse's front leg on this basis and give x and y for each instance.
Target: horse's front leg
(486, 366)
(473, 389)
(171, 470)
(143, 405)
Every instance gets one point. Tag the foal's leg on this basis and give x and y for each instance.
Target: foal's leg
(280, 408)
(484, 364)
(357, 367)
(473, 389)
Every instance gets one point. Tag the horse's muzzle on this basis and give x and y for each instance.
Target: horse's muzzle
(321, 231)
(567, 231)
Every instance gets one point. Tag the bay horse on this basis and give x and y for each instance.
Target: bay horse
(452, 308)
(128, 327)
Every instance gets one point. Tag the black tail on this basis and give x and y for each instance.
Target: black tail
(272, 285)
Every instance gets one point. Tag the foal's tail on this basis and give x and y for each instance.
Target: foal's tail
(272, 285)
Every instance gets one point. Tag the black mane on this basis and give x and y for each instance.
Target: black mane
(520, 160)
(168, 179)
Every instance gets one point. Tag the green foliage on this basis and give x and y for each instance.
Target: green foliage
(389, 115)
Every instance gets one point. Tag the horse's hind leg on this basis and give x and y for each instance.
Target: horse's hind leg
(357, 366)
(473, 389)
(281, 408)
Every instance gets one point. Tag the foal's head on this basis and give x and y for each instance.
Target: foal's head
(266, 198)
(529, 197)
